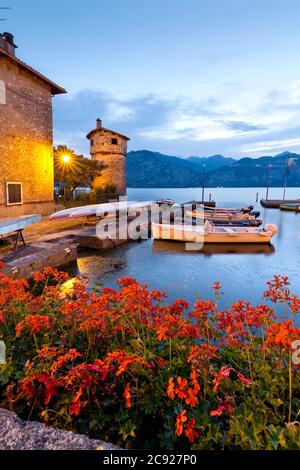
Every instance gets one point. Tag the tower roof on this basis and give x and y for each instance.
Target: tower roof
(100, 128)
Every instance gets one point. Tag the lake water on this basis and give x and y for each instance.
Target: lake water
(242, 271)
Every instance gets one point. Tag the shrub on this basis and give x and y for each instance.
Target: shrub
(125, 366)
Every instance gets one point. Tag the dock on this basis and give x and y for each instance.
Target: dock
(57, 243)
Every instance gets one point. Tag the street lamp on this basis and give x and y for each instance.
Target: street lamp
(268, 180)
(203, 182)
(66, 158)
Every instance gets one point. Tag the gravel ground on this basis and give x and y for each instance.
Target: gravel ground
(16, 434)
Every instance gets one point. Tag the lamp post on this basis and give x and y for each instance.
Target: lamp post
(268, 180)
(203, 182)
(66, 159)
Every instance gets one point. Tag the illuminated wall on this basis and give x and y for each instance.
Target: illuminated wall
(25, 140)
(110, 148)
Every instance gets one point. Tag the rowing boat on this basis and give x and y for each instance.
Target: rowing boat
(290, 207)
(226, 215)
(209, 233)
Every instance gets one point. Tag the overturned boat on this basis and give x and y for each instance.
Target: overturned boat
(210, 233)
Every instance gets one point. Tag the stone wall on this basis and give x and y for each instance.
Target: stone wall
(113, 157)
(25, 140)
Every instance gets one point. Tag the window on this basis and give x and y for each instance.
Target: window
(14, 193)
(114, 141)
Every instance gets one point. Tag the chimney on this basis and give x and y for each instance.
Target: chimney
(7, 43)
(98, 123)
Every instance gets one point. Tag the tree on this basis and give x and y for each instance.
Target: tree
(76, 170)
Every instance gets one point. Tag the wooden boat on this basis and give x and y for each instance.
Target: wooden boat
(194, 204)
(237, 223)
(276, 203)
(164, 202)
(290, 207)
(209, 233)
(99, 210)
(244, 210)
(226, 215)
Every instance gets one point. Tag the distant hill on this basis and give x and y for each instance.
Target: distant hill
(251, 172)
(212, 163)
(146, 169)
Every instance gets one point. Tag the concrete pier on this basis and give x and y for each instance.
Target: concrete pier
(57, 243)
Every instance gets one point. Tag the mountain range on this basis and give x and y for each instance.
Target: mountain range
(146, 169)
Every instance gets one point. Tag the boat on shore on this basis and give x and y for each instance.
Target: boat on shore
(290, 207)
(100, 210)
(209, 233)
(276, 203)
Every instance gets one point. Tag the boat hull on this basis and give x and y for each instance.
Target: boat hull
(276, 203)
(290, 207)
(236, 216)
(197, 234)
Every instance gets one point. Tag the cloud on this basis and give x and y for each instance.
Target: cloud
(272, 145)
(243, 126)
(231, 121)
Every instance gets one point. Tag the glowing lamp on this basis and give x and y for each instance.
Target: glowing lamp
(66, 158)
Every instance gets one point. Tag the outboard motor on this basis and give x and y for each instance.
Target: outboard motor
(255, 213)
(247, 210)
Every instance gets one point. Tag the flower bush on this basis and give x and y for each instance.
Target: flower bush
(125, 366)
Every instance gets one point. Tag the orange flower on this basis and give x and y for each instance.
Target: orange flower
(281, 334)
(194, 380)
(190, 431)
(171, 389)
(191, 398)
(216, 286)
(181, 387)
(33, 324)
(127, 396)
(180, 420)
(222, 376)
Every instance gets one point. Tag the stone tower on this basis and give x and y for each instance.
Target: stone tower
(110, 148)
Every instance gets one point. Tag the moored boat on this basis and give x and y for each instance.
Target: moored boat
(236, 222)
(226, 215)
(209, 233)
(290, 207)
(276, 203)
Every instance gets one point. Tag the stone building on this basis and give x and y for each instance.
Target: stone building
(110, 148)
(26, 159)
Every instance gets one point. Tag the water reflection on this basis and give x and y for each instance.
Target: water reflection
(168, 247)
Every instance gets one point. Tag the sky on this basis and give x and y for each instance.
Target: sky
(181, 77)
